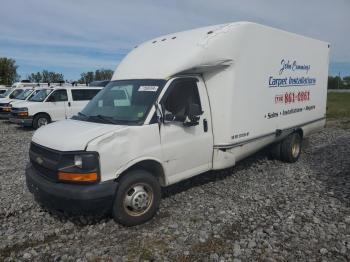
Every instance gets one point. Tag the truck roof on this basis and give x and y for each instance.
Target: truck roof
(192, 51)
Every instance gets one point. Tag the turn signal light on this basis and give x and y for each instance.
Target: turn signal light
(77, 177)
(6, 109)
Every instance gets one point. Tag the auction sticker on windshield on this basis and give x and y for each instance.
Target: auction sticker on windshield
(148, 88)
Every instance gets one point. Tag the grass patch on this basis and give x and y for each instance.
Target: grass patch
(338, 105)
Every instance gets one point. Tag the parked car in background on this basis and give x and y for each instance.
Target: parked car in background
(10, 93)
(99, 83)
(8, 96)
(52, 104)
(7, 103)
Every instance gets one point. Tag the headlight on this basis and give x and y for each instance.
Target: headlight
(78, 161)
(22, 112)
(79, 167)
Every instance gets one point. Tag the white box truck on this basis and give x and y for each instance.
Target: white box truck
(177, 106)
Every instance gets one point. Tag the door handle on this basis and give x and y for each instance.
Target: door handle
(205, 125)
(69, 104)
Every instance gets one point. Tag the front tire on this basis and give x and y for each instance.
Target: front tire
(41, 120)
(137, 198)
(291, 148)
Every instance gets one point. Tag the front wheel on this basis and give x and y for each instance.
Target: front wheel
(40, 120)
(137, 198)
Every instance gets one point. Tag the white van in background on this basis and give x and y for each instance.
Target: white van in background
(17, 94)
(52, 104)
(14, 90)
(7, 103)
(11, 93)
(177, 106)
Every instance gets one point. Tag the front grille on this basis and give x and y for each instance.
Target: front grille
(45, 172)
(44, 160)
(46, 152)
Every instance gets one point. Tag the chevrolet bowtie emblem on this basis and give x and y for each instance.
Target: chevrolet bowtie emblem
(39, 160)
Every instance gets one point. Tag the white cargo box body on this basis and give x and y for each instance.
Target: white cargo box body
(259, 79)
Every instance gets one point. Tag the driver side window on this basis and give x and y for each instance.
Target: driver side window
(58, 96)
(181, 94)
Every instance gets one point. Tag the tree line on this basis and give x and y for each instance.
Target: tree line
(98, 75)
(45, 77)
(9, 75)
(336, 82)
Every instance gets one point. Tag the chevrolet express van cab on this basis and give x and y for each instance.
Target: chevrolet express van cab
(177, 106)
(51, 104)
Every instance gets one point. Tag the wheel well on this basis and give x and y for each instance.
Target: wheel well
(152, 166)
(42, 113)
(299, 131)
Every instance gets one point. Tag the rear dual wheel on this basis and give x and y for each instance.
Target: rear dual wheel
(289, 149)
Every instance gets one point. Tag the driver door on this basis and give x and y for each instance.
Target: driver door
(186, 150)
(56, 104)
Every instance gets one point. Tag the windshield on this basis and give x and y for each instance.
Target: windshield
(33, 94)
(24, 94)
(41, 95)
(15, 93)
(122, 102)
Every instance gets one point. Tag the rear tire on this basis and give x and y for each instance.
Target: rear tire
(291, 148)
(41, 120)
(137, 198)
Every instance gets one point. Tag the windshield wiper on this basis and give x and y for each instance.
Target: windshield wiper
(82, 114)
(104, 118)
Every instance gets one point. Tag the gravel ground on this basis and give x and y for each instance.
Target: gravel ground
(260, 210)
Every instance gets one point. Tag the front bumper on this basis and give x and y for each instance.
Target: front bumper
(21, 121)
(72, 198)
(4, 115)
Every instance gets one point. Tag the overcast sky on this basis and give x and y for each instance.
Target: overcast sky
(80, 35)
